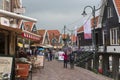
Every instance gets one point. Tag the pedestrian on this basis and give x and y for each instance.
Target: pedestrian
(22, 54)
(72, 59)
(51, 55)
(48, 56)
(65, 59)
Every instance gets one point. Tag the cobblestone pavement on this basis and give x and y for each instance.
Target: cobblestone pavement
(53, 70)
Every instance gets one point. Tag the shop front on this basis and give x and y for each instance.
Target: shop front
(8, 36)
(26, 39)
(9, 31)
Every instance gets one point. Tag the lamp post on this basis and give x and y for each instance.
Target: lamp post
(64, 36)
(95, 65)
(94, 25)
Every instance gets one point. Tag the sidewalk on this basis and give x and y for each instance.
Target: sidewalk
(53, 70)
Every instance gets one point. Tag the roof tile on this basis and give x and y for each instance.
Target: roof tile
(117, 2)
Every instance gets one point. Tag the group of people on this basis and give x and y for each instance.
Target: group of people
(27, 53)
(69, 58)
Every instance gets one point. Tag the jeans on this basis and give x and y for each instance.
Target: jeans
(65, 63)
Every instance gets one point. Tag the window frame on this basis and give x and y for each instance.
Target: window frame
(109, 12)
(114, 37)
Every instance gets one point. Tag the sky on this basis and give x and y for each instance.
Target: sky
(55, 14)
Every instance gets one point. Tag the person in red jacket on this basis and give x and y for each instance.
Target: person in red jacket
(65, 59)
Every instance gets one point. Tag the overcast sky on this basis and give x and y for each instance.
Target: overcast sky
(54, 14)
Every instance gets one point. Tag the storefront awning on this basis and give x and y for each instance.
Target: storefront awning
(30, 35)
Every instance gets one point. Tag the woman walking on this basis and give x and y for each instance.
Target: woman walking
(65, 59)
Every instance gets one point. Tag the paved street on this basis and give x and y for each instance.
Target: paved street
(54, 70)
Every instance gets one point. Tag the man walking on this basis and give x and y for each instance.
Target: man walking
(72, 58)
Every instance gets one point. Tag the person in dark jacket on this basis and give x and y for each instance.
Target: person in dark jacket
(22, 54)
(72, 59)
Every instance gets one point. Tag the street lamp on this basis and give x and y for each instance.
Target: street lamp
(94, 25)
(64, 39)
(93, 35)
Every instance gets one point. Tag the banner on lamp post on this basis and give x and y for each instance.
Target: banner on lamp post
(87, 30)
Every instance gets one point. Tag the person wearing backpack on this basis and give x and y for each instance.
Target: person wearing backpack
(72, 58)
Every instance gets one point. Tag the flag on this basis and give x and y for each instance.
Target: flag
(87, 30)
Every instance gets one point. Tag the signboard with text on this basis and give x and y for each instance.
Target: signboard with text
(6, 64)
(40, 58)
(4, 21)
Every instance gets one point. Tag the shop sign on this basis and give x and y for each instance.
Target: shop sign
(30, 36)
(6, 66)
(4, 21)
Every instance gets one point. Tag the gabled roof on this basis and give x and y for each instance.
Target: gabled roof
(42, 33)
(73, 38)
(80, 29)
(28, 26)
(64, 36)
(20, 22)
(117, 7)
(53, 34)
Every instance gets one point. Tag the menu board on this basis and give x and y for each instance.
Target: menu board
(41, 60)
(5, 67)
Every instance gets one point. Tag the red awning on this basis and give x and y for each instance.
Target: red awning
(30, 35)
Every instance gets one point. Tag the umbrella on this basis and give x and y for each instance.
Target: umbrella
(40, 49)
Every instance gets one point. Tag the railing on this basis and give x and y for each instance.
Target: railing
(83, 56)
